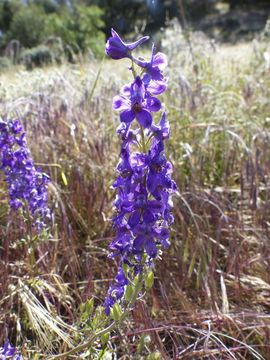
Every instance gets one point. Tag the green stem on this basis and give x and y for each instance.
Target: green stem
(30, 244)
(108, 329)
(149, 138)
(133, 69)
(96, 80)
(143, 140)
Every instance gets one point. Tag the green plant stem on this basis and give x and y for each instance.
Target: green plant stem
(32, 259)
(133, 69)
(143, 140)
(96, 80)
(108, 329)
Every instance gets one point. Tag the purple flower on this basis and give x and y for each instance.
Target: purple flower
(116, 291)
(144, 210)
(137, 106)
(27, 186)
(147, 237)
(161, 131)
(117, 49)
(154, 67)
(160, 170)
(122, 243)
(8, 351)
(144, 185)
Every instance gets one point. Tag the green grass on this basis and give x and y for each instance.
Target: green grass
(211, 293)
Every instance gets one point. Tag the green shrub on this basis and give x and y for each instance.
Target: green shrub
(37, 56)
(27, 26)
(55, 44)
(5, 63)
(81, 28)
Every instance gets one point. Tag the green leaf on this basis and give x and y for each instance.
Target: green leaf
(154, 356)
(116, 312)
(186, 252)
(126, 269)
(64, 179)
(191, 266)
(129, 292)
(89, 306)
(149, 279)
(136, 280)
(105, 338)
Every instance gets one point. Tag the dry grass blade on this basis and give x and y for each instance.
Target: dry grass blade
(48, 326)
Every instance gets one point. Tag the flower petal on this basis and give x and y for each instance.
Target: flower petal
(120, 103)
(163, 235)
(153, 104)
(150, 247)
(156, 87)
(148, 217)
(152, 181)
(144, 118)
(160, 60)
(127, 116)
(134, 219)
(138, 244)
(121, 278)
(116, 48)
(155, 206)
(132, 46)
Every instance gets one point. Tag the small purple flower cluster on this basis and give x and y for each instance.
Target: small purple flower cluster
(27, 186)
(9, 352)
(144, 185)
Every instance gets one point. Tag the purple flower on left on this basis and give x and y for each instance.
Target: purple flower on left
(7, 351)
(27, 186)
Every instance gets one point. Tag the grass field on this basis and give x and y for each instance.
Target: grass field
(211, 293)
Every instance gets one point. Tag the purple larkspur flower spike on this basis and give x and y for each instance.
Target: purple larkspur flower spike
(27, 186)
(117, 49)
(144, 185)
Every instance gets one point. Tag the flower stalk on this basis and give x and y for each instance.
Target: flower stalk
(143, 184)
(27, 186)
(144, 188)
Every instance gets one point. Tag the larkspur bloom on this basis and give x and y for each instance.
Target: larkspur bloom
(134, 104)
(9, 352)
(144, 185)
(117, 49)
(153, 68)
(27, 186)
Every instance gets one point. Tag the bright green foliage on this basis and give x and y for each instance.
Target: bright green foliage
(87, 22)
(49, 6)
(7, 10)
(32, 24)
(149, 280)
(81, 28)
(27, 26)
(59, 25)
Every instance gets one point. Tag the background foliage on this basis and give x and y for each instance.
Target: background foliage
(82, 25)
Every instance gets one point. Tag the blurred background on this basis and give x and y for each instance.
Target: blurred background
(34, 32)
